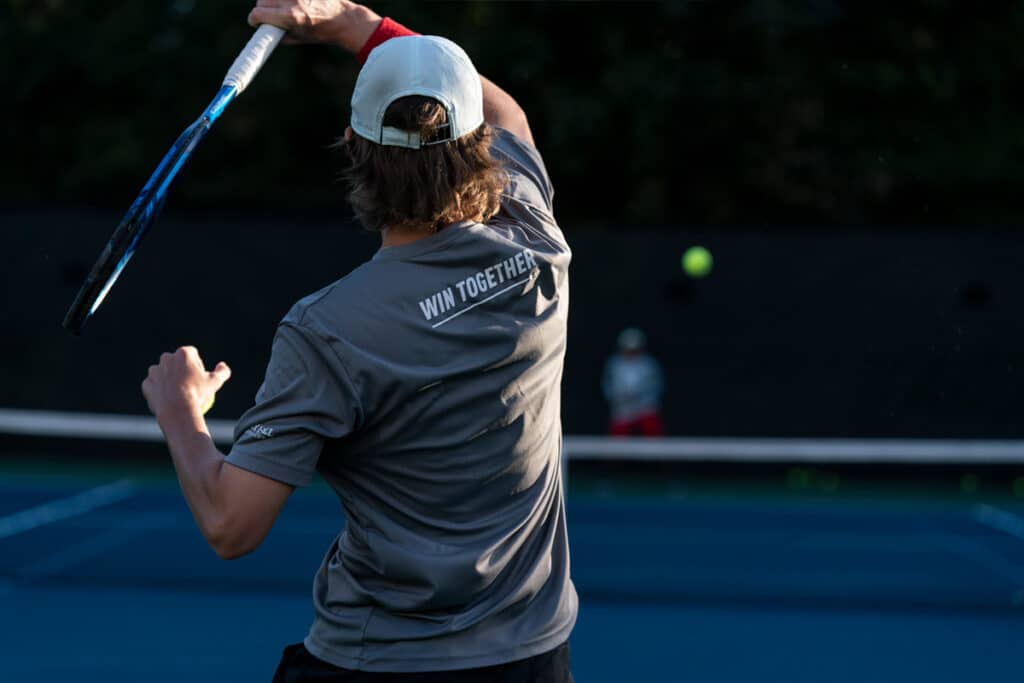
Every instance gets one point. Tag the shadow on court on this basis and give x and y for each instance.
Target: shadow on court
(104, 578)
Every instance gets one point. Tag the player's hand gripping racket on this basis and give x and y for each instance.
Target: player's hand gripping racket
(146, 207)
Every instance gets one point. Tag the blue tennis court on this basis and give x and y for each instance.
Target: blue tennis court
(104, 578)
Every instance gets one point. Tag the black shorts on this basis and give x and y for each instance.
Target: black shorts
(299, 666)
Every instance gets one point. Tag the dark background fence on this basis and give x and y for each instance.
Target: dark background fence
(826, 333)
(819, 113)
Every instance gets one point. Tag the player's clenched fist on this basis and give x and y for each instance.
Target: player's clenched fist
(339, 22)
(180, 385)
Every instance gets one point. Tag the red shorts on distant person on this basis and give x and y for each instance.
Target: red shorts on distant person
(647, 424)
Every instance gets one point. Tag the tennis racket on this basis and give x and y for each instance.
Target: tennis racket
(146, 207)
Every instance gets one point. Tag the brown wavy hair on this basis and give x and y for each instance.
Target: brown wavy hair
(426, 188)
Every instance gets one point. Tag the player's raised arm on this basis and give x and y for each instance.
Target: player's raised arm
(501, 110)
(359, 29)
(336, 22)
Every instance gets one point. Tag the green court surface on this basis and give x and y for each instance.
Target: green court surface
(701, 577)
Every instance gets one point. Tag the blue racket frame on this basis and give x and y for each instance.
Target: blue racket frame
(141, 215)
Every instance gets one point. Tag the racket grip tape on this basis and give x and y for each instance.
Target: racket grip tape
(257, 51)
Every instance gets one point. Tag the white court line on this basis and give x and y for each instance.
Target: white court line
(65, 508)
(976, 552)
(1000, 520)
(89, 547)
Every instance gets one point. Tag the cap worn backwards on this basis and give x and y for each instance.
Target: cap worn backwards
(429, 66)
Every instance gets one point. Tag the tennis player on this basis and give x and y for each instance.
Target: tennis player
(423, 386)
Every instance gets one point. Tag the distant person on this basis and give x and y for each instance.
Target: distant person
(633, 384)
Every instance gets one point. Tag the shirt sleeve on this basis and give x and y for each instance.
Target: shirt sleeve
(306, 399)
(528, 178)
(526, 200)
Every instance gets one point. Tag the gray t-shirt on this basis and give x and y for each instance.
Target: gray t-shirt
(425, 388)
(632, 383)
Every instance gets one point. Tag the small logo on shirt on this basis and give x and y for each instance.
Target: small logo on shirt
(261, 431)
(477, 285)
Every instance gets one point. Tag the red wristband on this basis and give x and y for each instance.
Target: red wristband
(387, 30)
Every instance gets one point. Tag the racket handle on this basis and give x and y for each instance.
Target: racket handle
(256, 52)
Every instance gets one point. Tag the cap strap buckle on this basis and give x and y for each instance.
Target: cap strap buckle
(396, 137)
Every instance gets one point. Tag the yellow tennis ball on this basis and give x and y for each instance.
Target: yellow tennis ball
(697, 262)
(209, 404)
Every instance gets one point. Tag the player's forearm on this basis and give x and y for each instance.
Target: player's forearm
(502, 110)
(354, 28)
(198, 464)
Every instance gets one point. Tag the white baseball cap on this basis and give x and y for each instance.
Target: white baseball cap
(429, 66)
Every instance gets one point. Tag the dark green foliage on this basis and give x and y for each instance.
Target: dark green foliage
(815, 112)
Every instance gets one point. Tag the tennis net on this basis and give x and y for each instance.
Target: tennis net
(980, 452)
(876, 524)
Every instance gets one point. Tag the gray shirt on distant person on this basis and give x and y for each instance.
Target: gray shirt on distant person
(632, 384)
(425, 388)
